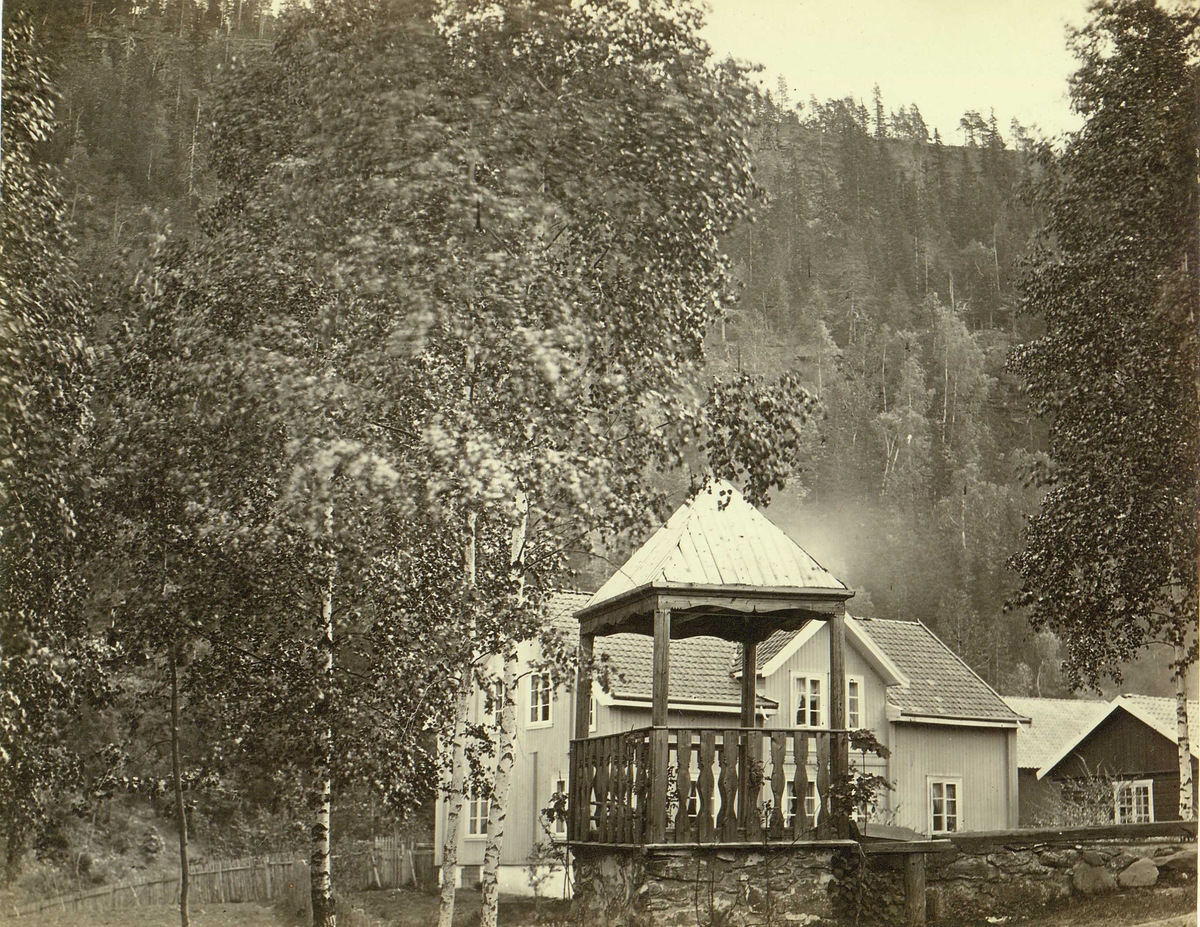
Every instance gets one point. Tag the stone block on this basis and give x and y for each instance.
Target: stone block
(1179, 861)
(1092, 857)
(1092, 880)
(1059, 859)
(969, 867)
(1141, 873)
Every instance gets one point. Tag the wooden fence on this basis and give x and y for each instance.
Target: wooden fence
(274, 878)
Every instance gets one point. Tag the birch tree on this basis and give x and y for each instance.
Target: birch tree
(1109, 562)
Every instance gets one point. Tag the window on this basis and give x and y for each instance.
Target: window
(943, 805)
(811, 804)
(493, 702)
(693, 802)
(478, 810)
(560, 807)
(808, 708)
(854, 690)
(1133, 802)
(592, 714)
(540, 696)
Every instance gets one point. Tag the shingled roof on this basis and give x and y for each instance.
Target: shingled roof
(1053, 722)
(940, 684)
(718, 539)
(699, 665)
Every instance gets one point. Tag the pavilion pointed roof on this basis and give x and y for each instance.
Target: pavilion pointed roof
(720, 545)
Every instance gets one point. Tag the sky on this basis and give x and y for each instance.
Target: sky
(947, 56)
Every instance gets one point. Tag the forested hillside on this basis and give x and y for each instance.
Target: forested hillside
(884, 272)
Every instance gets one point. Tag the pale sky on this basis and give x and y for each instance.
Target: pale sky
(947, 56)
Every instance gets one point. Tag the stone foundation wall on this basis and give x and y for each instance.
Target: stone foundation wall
(728, 886)
(1013, 879)
(975, 876)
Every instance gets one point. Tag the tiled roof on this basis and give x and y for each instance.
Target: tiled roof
(770, 648)
(699, 668)
(940, 685)
(1054, 722)
(699, 665)
(718, 538)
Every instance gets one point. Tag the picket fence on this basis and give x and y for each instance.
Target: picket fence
(387, 862)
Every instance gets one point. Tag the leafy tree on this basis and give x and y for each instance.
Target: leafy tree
(50, 663)
(1109, 562)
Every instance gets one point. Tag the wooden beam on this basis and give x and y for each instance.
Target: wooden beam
(914, 890)
(656, 826)
(839, 755)
(749, 682)
(583, 685)
(661, 677)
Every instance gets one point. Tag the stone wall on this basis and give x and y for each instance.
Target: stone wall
(732, 886)
(969, 876)
(1018, 875)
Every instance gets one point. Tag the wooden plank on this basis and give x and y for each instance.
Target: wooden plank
(661, 678)
(643, 787)
(727, 825)
(602, 807)
(583, 684)
(751, 783)
(749, 683)
(839, 748)
(656, 816)
(914, 890)
(824, 828)
(704, 817)
(683, 785)
(778, 751)
(617, 788)
(800, 781)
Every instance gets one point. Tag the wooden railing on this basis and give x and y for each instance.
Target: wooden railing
(721, 785)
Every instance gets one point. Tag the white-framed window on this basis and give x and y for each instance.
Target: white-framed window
(811, 803)
(854, 702)
(493, 703)
(693, 802)
(560, 821)
(592, 715)
(478, 810)
(541, 696)
(945, 811)
(808, 700)
(1133, 801)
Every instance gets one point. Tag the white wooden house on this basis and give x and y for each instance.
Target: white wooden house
(952, 739)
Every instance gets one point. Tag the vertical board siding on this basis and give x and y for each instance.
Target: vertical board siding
(976, 755)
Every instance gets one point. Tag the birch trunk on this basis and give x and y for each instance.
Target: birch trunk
(502, 782)
(1187, 811)
(323, 913)
(454, 798)
(177, 783)
(498, 811)
(454, 803)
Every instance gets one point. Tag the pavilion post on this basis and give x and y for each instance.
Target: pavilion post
(752, 752)
(656, 826)
(583, 685)
(839, 753)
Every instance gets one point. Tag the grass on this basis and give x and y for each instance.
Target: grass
(213, 915)
(1118, 909)
(402, 907)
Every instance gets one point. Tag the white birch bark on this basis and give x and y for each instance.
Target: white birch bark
(321, 874)
(1187, 811)
(502, 782)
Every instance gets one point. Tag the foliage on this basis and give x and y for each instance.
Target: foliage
(1109, 560)
(858, 790)
(52, 666)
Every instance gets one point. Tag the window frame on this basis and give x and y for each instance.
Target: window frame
(559, 825)
(1131, 787)
(789, 803)
(822, 695)
(862, 692)
(545, 686)
(477, 825)
(957, 782)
